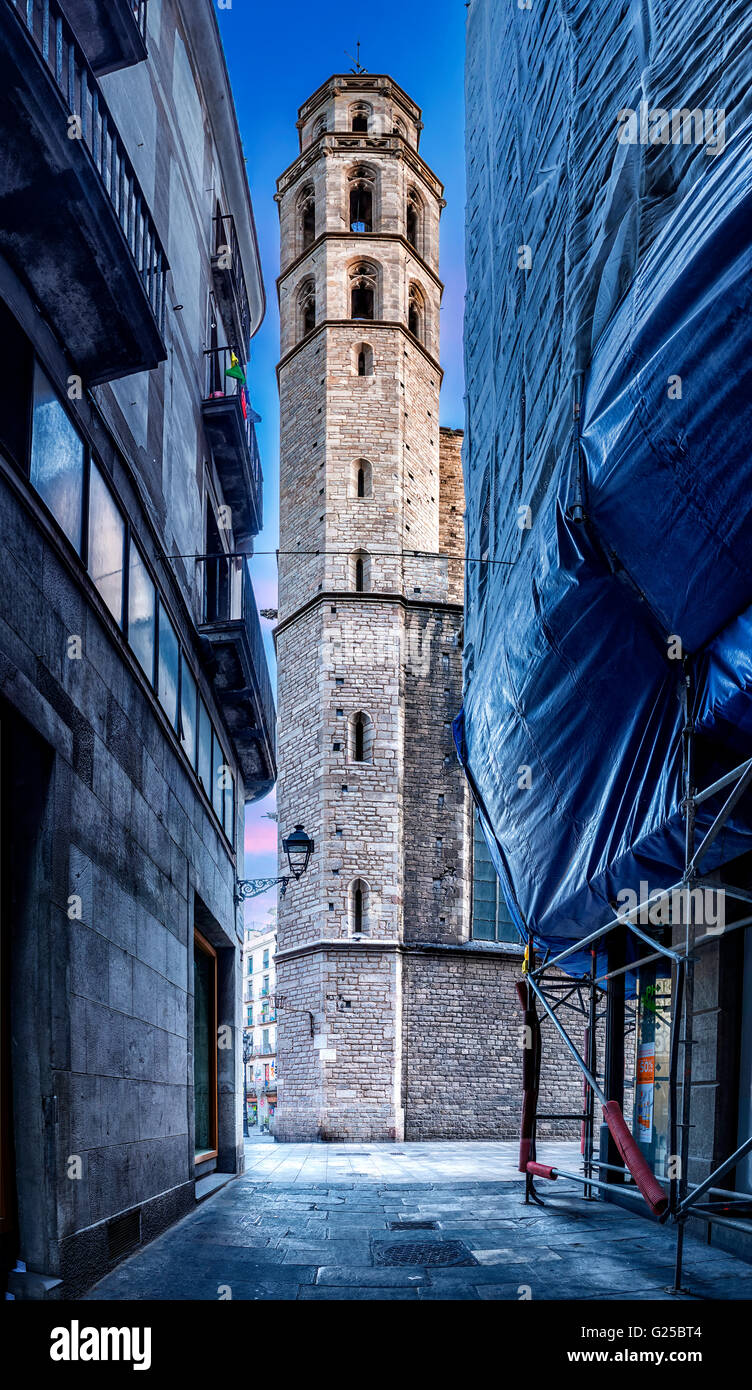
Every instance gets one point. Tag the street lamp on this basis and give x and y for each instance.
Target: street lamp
(247, 1055)
(298, 847)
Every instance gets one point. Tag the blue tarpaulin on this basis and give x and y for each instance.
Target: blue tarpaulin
(609, 540)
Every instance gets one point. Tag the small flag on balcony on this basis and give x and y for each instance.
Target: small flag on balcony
(235, 369)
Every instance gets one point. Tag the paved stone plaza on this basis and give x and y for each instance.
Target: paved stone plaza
(315, 1221)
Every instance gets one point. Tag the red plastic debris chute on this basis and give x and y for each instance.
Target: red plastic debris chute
(648, 1184)
(542, 1170)
(530, 1071)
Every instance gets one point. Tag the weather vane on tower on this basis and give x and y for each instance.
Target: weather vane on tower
(358, 65)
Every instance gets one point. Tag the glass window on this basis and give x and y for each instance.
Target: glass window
(141, 599)
(265, 1044)
(204, 1046)
(250, 965)
(57, 460)
(218, 777)
(491, 919)
(229, 820)
(266, 958)
(204, 746)
(106, 544)
(188, 711)
(167, 684)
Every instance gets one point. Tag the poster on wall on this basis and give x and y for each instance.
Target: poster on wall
(645, 1091)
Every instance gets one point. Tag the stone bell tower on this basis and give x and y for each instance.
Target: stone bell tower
(370, 594)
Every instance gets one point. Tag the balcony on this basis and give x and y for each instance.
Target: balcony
(229, 423)
(112, 35)
(229, 283)
(236, 664)
(74, 223)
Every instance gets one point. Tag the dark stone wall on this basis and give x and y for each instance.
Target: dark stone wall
(119, 847)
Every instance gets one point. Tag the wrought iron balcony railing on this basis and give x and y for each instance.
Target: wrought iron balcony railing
(229, 620)
(229, 277)
(58, 47)
(230, 422)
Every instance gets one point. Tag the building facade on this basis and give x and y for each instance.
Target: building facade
(393, 1022)
(260, 1026)
(136, 712)
(556, 270)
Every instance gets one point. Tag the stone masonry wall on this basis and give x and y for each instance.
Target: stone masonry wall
(462, 1060)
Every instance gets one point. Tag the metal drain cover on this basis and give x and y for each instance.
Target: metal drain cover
(422, 1252)
(412, 1225)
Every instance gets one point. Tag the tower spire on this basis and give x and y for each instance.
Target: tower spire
(358, 68)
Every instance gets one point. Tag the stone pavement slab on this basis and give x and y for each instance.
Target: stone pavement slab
(293, 1228)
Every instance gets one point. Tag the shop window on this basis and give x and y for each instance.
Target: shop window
(57, 460)
(106, 544)
(229, 807)
(204, 746)
(204, 1047)
(167, 678)
(188, 694)
(218, 778)
(142, 596)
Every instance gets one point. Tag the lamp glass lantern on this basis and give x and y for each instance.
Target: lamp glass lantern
(298, 847)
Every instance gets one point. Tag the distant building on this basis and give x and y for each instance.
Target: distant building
(260, 1024)
(136, 712)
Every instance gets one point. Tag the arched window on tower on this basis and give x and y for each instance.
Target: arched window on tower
(307, 217)
(360, 572)
(361, 738)
(363, 359)
(363, 285)
(306, 307)
(363, 478)
(414, 219)
(360, 118)
(358, 907)
(416, 313)
(361, 195)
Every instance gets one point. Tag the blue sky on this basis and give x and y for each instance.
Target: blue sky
(277, 55)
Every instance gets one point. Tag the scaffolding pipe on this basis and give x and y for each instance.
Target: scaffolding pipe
(567, 1041)
(717, 1173)
(623, 920)
(720, 819)
(722, 783)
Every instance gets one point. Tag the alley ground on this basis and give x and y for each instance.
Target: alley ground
(412, 1221)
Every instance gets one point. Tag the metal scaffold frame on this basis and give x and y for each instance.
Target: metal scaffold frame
(587, 994)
